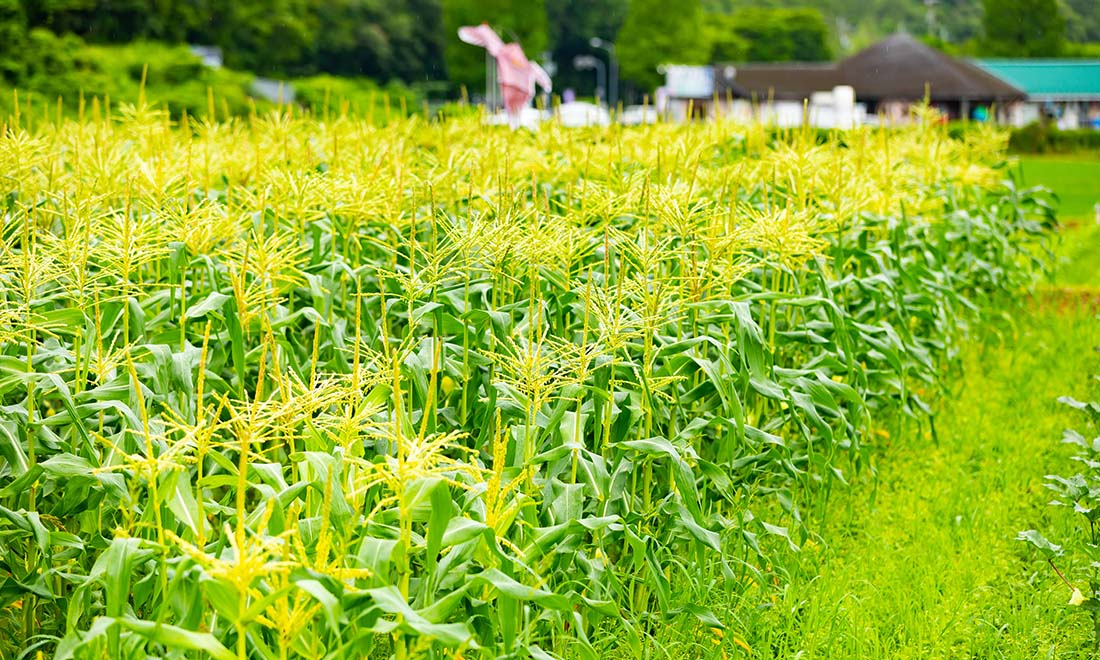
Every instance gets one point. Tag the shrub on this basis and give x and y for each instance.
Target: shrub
(1040, 138)
(362, 97)
(13, 30)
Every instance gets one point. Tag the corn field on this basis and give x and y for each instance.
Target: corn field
(312, 387)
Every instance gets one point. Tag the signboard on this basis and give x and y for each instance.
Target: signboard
(689, 82)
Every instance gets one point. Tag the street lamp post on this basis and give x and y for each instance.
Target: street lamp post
(596, 42)
(583, 62)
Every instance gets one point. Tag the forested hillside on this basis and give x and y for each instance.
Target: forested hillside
(953, 21)
(45, 43)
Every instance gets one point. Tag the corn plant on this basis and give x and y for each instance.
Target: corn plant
(309, 387)
(1081, 493)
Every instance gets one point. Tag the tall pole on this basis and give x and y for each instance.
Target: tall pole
(491, 88)
(596, 42)
(601, 80)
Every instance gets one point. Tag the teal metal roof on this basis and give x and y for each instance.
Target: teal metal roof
(1068, 79)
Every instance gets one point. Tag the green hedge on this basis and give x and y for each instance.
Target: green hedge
(1041, 138)
(360, 97)
(66, 68)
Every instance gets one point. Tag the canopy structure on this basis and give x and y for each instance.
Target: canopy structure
(1049, 80)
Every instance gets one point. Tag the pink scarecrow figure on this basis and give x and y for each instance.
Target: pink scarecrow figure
(517, 74)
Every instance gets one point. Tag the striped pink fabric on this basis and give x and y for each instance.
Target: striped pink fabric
(517, 75)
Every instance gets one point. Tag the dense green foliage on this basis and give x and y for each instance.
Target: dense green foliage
(1043, 137)
(63, 74)
(860, 22)
(414, 40)
(300, 386)
(1082, 20)
(13, 36)
(1023, 28)
(691, 36)
(380, 39)
(66, 69)
(395, 39)
(645, 44)
(770, 35)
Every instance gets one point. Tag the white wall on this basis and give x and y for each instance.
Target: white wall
(831, 109)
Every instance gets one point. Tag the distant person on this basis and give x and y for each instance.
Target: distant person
(517, 75)
(568, 96)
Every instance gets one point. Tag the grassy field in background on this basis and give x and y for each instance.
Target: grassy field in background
(1076, 181)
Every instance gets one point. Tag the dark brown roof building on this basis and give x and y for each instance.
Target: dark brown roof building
(782, 81)
(899, 68)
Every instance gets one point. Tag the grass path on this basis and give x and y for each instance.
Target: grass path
(929, 567)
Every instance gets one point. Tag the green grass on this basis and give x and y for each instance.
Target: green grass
(928, 567)
(1079, 254)
(1076, 181)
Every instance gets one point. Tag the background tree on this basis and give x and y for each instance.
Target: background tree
(429, 37)
(1023, 28)
(763, 29)
(269, 38)
(523, 21)
(112, 21)
(381, 39)
(13, 36)
(808, 34)
(645, 43)
(572, 24)
(769, 35)
(726, 45)
(1082, 20)
(415, 41)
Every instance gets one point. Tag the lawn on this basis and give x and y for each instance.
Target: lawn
(1076, 182)
(924, 563)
